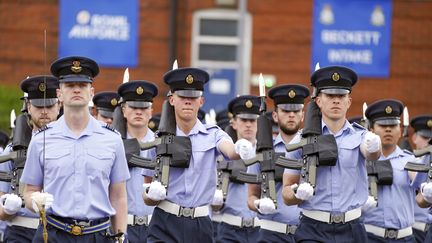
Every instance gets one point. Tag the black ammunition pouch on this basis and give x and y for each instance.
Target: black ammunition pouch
(179, 148)
(236, 166)
(131, 147)
(383, 170)
(325, 147)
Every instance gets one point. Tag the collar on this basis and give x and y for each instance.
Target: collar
(93, 126)
(197, 128)
(346, 127)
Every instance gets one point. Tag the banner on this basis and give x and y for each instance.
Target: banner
(355, 34)
(104, 30)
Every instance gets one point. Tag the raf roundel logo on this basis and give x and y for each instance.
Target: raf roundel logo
(76, 68)
(42, 87)
(388, 110)
(248, 104)
(292, 94)
(429, 123)
(139, 90)
(335, 77)
(189, 79)
(114, 102)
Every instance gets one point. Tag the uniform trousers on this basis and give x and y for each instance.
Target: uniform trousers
(137, 233)
(18, 234)
(428, 237)
(215, 228)
(165, 227)
(376, 239)
(310, 230)
(419, 236)
(271, 236)
(230, 233)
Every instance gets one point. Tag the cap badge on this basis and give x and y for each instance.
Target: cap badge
(291, 94)
(42, 87)
(76, 68)
(189, 79)
(151, 125)
(248, 104)
(139, 90)
(113, 101)
(335, 77)
(429, 123)
(388, 110)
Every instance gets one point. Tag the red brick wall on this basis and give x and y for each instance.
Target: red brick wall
(281, 46)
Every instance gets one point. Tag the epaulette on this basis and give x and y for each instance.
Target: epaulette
(357, 126)
(44, 128)
(211, 126)
(111, 128)
(406, 151)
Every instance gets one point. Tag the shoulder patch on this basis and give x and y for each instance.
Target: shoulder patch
(357, 126)
(44, 128)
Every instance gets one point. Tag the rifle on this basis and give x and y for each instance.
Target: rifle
(370, 165)
(410, 166)
(266, 155)
(379, 173)
(21, 136)
(404, 142)
(232, 171)
(171, 150)
(131, 145)
(317, 149)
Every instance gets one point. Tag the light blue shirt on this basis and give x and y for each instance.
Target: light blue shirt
(395, 208)
(134, 185)
(195, 186)
(284, 213)
(342, 187)
(77, 170)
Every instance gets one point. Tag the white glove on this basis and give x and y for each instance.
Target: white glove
(369, 204)
(265, 205)
(372, 142)
(41, 199)
(304, 191)
(156, 191)
(11, 203)
(218, 198)
(244, 148)
(426, 191)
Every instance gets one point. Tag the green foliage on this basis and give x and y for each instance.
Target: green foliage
(9, 99)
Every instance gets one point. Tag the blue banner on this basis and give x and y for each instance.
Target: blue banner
(355, 34)
(104, 30)
(221, 88)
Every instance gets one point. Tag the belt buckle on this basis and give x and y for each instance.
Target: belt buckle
(247, 222)
(337, 218)
(391, 234)
(186, 212)
(76, 230)
(140, 220)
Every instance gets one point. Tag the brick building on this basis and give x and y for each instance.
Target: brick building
(281, 45)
